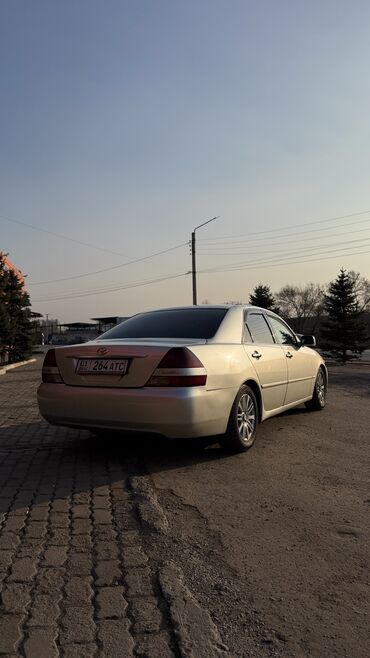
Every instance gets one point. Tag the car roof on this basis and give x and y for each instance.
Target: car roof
(207, 306)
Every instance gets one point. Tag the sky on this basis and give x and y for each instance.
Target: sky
(124, 125)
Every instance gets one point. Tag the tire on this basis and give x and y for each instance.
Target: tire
(318, 400)
(241, 428)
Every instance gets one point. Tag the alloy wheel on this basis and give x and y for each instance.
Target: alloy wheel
(246, 417)
(320, 387)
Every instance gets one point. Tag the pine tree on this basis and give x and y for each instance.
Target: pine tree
(343, 331)
(263, 297)
(4, 316)
(15, 325)
(4, 327)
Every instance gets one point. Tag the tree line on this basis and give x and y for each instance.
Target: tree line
(338, 311)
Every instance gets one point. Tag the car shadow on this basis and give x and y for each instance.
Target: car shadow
(296, 411)
(36, 457)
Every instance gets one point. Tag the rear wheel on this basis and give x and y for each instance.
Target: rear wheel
(241, 428)
(318, 399)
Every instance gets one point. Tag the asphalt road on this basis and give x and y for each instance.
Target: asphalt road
(275, 542)
(146, 547)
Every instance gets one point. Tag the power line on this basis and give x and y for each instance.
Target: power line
(208, 244)
(59, 235)
(282, 237)
(109, 290)
(278, 241)
(295, 250)
(270, 263)
(109, 269)
(13, 220)
(278, 261)
(255, 265)
(285, 228)
(282, 259)
(250, 243)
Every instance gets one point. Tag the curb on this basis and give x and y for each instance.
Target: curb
(11, 366)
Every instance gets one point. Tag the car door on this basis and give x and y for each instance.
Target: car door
(299, 361)
(268, 359)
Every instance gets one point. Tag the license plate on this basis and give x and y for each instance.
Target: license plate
(102, 366)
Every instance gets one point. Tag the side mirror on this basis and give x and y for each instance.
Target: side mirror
(308, 341)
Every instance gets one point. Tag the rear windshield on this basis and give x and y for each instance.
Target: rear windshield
(178, 323)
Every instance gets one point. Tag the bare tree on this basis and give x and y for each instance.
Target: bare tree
(362, 290)
(301, 306)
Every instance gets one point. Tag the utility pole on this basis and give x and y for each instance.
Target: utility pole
(193, 259)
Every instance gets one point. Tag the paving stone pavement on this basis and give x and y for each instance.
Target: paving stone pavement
(74, 578)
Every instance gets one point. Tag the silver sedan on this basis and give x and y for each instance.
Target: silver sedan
(185, 372)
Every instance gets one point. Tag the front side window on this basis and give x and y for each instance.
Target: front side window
(283, 334)
(259, 329)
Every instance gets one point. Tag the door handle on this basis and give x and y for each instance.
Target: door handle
(289, 355)
(256, 355)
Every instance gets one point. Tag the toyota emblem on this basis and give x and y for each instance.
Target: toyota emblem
(102, 350)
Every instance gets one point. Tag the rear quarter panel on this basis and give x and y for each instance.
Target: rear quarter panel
(226, 364)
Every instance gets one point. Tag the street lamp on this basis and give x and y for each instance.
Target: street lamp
(193, 261)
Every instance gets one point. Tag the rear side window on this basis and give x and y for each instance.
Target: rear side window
(259, 329)
(177, 323)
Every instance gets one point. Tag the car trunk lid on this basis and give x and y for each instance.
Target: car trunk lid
(117, 364)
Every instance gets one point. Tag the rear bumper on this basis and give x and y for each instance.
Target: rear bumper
(173, 412)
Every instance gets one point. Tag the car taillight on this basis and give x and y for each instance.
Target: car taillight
(179, 367)
(50, 370)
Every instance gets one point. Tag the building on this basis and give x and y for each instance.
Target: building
(108, 322)
(74, 332)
